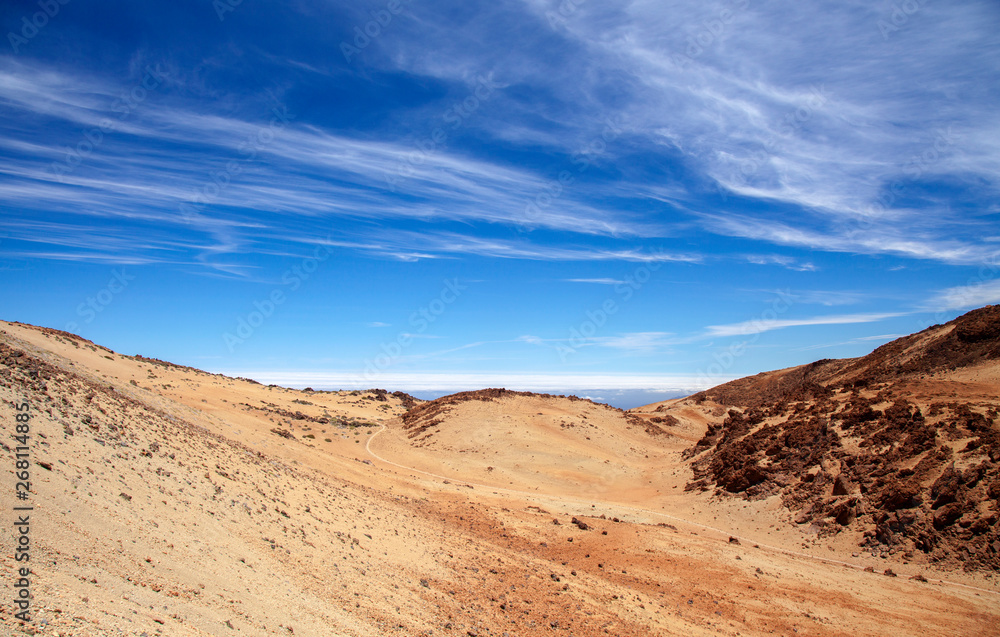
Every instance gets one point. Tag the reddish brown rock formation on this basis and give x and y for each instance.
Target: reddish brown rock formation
(843, 442)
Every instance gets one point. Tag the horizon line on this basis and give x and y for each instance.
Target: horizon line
(457, 381)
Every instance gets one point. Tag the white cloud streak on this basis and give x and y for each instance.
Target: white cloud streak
(302, 174)
(842, 137)
(599, 281)
(965, 297)
(759, 326)
(823, 119)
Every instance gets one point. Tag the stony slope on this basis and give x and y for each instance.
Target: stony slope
(901, 446)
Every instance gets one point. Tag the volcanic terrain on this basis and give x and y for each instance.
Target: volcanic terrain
(852, 497)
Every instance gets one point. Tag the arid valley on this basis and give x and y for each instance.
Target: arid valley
(849, 497)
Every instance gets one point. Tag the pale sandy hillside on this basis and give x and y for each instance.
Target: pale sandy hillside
(168, 501)
(523, 441)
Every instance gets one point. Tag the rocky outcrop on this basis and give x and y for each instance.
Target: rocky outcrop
(858, 452)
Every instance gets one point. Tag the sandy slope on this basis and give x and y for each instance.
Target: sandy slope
(170, 506)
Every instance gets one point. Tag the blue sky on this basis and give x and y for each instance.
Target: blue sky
(584, 197)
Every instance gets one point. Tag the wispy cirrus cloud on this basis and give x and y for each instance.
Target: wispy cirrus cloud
(879, 337)
(764, 325)
(667, 158)
(301, 173)
(636, 341)
(746, 125)
(852, 159)
(410, 246)
(828, 298)
(782, 260)
(862, 340)
(598, 281)
(965, 297)
(855, 238)
(645, 342)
